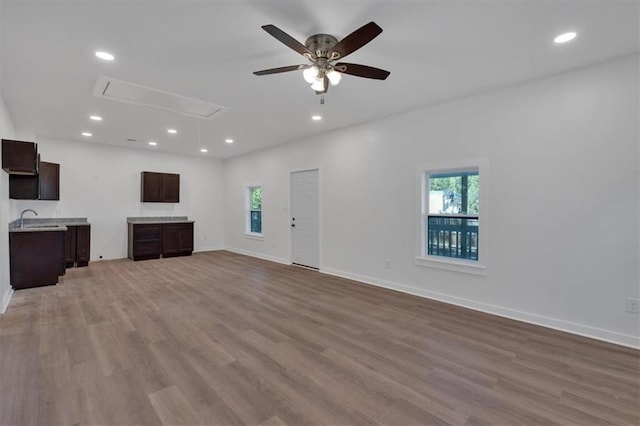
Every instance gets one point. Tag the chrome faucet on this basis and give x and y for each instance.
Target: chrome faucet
(22, 214)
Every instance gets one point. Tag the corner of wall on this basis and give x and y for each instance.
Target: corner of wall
(6, 131)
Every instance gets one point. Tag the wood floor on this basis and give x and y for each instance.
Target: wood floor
(219, 338)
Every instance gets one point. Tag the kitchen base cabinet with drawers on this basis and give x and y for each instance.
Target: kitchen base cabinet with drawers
(152, 238)
(145, 241)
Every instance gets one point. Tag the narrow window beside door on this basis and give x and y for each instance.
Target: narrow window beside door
(254, 210)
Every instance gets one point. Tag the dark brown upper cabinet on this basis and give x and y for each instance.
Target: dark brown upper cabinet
(23, 187)
(159, 187)
(49, 181)
(43, 186)
(19, 158)
(171, 188)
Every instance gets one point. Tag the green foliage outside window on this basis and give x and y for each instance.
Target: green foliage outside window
(256, 198)
(453, 185)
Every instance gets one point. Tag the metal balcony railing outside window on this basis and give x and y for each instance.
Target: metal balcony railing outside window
(452, 235)
(256, 221)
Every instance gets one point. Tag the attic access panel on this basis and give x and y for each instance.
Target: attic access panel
(123, 91)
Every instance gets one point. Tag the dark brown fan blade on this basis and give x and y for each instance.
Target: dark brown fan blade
(356, 39)
(361, 70)
(280, 69)
(287, 40)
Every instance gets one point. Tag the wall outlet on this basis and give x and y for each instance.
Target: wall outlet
(633, 305)
(387, 264)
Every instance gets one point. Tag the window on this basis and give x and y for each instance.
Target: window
(452, 221)
(452, 232)
(254, 210)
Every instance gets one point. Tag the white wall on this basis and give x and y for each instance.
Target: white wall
(563, 213)
(102, 182)
(7, 131)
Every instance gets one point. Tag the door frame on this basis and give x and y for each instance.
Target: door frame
(290, 212)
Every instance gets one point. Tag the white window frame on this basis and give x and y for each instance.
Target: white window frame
(422, 258)
(247, 200)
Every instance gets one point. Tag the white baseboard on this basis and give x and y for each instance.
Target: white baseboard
(5, 301)
(200, 249)
(554, 323)
(258, 255)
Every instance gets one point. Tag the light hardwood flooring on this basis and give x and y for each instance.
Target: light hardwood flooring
(219, 338)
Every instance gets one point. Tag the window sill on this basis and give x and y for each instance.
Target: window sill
(254, 236)
(467, 267)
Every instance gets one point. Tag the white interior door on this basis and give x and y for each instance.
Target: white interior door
(305, 207)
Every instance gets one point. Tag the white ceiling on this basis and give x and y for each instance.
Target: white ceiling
(209, 49)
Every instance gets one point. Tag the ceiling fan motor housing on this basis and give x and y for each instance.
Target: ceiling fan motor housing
(321, 44)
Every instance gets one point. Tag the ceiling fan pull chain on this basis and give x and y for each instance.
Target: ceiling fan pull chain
(322, 99)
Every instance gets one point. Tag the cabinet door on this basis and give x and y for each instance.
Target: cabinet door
(23, 187)
(70, 246)
(49, 181)
(83, 244)
(171, 188)
(44, 249)
(170, 240)
(177, 239)
(185, 238)
(19, 157)
(151, 190)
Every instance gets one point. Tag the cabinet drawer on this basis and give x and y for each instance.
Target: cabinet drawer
(146, 247)
(177, 226)
(147, 232)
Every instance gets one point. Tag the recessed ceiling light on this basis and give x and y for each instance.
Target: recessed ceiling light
(563, 38)
(172, 131)
(152, 143)
(105, 55)
(203, 150)
(95, 117)
(87, 134)
(228, 140)
(316, 117)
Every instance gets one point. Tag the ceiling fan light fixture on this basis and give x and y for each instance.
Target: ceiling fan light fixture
(334, 77)
(310, 74)
(318, 85)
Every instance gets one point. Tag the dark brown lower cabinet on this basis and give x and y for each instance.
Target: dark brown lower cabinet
(83, 245)
(77, 245)
(151, 241)
(36, 258)
(177, 239)
(145, 241)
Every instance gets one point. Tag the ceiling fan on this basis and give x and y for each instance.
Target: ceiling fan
(323, 50)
